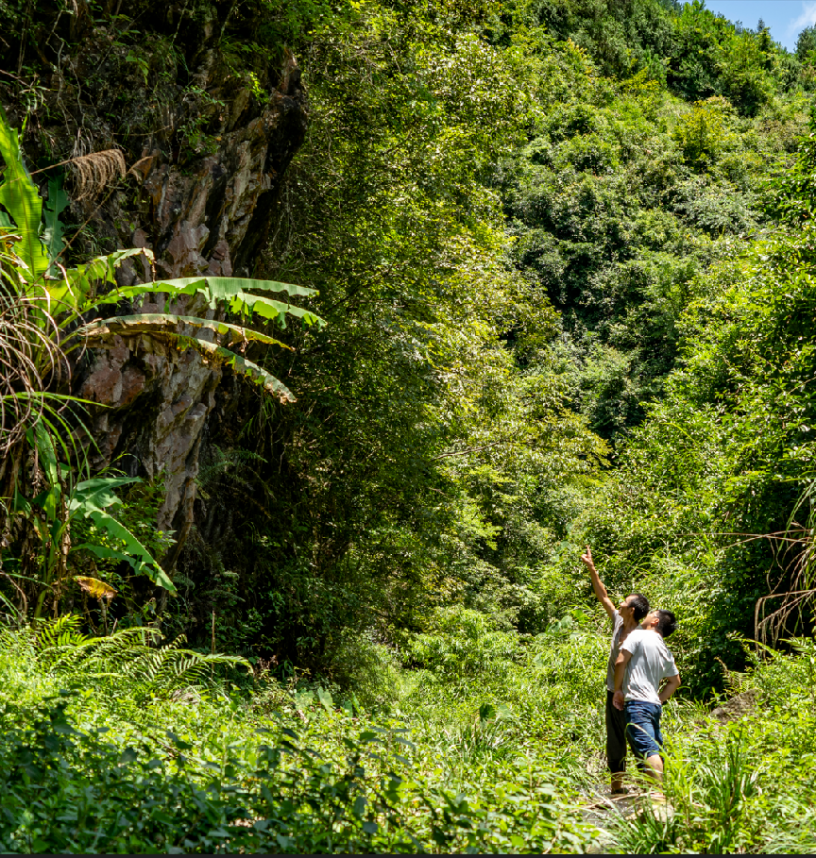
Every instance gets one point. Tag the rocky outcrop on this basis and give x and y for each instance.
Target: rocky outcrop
(210, 219)
(210, 144)
(736, 707)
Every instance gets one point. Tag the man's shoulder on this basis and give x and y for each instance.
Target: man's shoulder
(648, 639)
(633, 639)
(654, 641)
(640, 634)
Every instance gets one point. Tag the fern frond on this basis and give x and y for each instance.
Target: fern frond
(61, 632)
(128, 657)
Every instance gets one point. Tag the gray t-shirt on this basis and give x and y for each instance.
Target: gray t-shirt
(650, 664)
(617, 633)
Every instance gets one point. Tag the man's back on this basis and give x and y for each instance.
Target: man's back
(650, 664)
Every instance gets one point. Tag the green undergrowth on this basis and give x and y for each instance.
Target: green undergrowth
(745, 783)
(476, 740)
(93, 763)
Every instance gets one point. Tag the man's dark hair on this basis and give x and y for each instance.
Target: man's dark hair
(641, 605)
(666, 623)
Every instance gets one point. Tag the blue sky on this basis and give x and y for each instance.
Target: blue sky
(785, 18)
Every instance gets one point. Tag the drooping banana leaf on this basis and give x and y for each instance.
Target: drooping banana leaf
(94, 587)
(21, 199)
(167, 323)
(91, 499)
(214, 354)
(240, 365)
(246, 304)
(137, 555)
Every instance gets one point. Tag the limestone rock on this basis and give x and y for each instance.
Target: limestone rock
(210, 219)
(736, 707)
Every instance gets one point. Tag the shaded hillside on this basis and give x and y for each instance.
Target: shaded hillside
(510, 215)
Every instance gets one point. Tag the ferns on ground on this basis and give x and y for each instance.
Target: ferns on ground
(133, 659)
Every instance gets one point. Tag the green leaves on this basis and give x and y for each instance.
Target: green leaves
(92, 499)
(702, 132)
(228, 292)
(52, 235)
(19, 196)
(79, 290)
(223, 288)
(135, 554)
(169, 323)
(162, 325)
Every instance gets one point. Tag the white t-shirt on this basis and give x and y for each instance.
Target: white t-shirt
(617, 632)
(650, 664)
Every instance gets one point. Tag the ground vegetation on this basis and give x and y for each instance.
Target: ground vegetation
(555, 286)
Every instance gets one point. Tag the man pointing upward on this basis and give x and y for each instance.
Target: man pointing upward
(625, 619)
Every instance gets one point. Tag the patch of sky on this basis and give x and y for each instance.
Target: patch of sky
(784, 18)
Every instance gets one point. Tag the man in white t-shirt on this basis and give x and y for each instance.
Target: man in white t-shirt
(626, 618)
(643, 663)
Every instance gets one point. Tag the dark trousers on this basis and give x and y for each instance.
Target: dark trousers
(615, 736)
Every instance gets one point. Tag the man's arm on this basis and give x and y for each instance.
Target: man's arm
(672, 684)
(620, 670)
(597, 584)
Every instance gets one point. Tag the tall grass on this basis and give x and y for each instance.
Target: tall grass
(505, 755)
(746, 783)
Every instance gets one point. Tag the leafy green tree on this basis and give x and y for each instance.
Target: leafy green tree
(702, 133)
(391, 486)
(806, 44)
(710, 488)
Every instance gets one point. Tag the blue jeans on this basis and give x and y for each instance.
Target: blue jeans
(643, 727)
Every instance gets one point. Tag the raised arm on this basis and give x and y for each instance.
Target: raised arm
(672, 684)
(597, 584)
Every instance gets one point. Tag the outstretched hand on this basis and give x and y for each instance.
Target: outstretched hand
(597, 584)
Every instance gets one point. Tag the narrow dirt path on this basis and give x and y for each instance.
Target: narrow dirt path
(603, 809)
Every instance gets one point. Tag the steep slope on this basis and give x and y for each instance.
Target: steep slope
(207, 139)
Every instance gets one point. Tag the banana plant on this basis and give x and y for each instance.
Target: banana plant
(63, 301)
(80, 290)
(21, 205)
(62, 501)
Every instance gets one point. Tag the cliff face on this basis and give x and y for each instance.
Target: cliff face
(210, 145)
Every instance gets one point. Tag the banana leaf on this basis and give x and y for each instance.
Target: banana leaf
(21, 199)
(167, 322)
(214, 354)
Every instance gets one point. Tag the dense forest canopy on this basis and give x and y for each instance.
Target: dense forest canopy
(554, 285)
